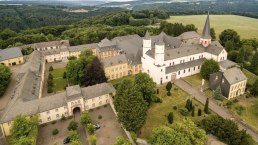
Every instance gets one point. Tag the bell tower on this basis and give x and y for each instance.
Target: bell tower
(146, 42)
(205, 40)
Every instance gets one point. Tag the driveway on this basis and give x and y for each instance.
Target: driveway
(6, 97)
(110, 127)
(223, 112)
(80, 130)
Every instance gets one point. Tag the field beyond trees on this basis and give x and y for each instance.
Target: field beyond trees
(245, 27)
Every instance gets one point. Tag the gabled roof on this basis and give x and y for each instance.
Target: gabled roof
(97, 90)
(115, 60)
(234, 75)
(9, 53)
(206, 34)
(82, 47)
(106, 43)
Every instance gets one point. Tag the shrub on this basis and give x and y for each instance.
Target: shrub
(183, 111)
(85, 119)
(72, 126)
(134, 136)
(169, 93)
(92, 139)
(175, 107)
(51, 68)
(90, 128)
(63, 117)
(55, 131)
(64, 75)
(170, 118)
(100, 117)
(157, 91)
(157, 100)
(199, 112)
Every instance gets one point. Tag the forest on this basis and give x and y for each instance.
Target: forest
(22, 17)
(238, 7)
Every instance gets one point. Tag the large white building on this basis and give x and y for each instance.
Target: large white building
(167, 58)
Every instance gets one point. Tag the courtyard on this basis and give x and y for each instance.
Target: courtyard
(110, 127)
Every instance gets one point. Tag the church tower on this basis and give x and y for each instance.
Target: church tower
(159, 51)
(146, 42)
(205, 40)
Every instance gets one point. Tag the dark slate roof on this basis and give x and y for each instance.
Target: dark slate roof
(213, 82)
(73, 92)
(234, 75)
(52, 102)
(106, 43)
(185, 65)
(97, 90)
(227, 64)
(169, 41)
(189, 35)
(62, 43)
(82, 47)
(206, 29)
(132, 48)
(9, 53)
(115, 60)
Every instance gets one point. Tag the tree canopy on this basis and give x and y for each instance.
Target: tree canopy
(24, 130)
(130, 105)
(146, 86)
(226, 130)
(186, 133)
(121, 141)
(209, 67)
(230, 35)
(5, 77)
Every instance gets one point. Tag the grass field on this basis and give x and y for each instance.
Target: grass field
(157, 113)
(59, 82)
(246, 27)
(194, 80)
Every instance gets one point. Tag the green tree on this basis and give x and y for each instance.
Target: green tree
(199, 112)
(193, 111)
(94, 74)
(165, 135)
(7, 33)
(206, 107)
(196, 135)
(170, 118)
(254, 63)
(85, 118)
(213, 34)
(146, 86)
(232, 55)
(24, 130)
(254, 88)
(209, 67)
(229, 46)
(51, 68)
(226, 130)
(168, 88)
(241, 56)
(188, 105)
(72, 126)
(121, 141)
(90, 128)
(230, 35)
(218, 94)
(5, 77)
(130, 105)
(92, 139)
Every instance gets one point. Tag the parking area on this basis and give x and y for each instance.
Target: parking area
(110, 127)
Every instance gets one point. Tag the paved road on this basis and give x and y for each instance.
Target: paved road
(223, 112)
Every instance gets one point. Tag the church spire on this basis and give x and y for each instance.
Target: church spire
(206, 29)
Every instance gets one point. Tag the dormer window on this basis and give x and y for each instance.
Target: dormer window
(222, 80)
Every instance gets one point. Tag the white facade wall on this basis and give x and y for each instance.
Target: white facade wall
(97, 101)
(52, 115)
(74, 104)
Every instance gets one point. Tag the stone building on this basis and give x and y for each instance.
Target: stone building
(167, 58)
(231, 81)
(11, 56)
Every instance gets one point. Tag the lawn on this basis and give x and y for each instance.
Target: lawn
(246, 27)
(251, 77)
(157, 112)
(59, 82)
(194, 80)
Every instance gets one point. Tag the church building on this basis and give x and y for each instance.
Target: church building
(167, 58)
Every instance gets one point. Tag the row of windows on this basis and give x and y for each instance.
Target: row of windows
(237, 86)
(116, 69)
(117, 75)
(93, 105)
(93, 99)
(57, 117)
(188, 70)
(183, 60)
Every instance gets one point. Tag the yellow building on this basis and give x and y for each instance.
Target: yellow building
(115, 67)
(11, 56)
(106, 48)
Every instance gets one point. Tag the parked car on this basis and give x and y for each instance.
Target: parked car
(97, 126)
(67, 140)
